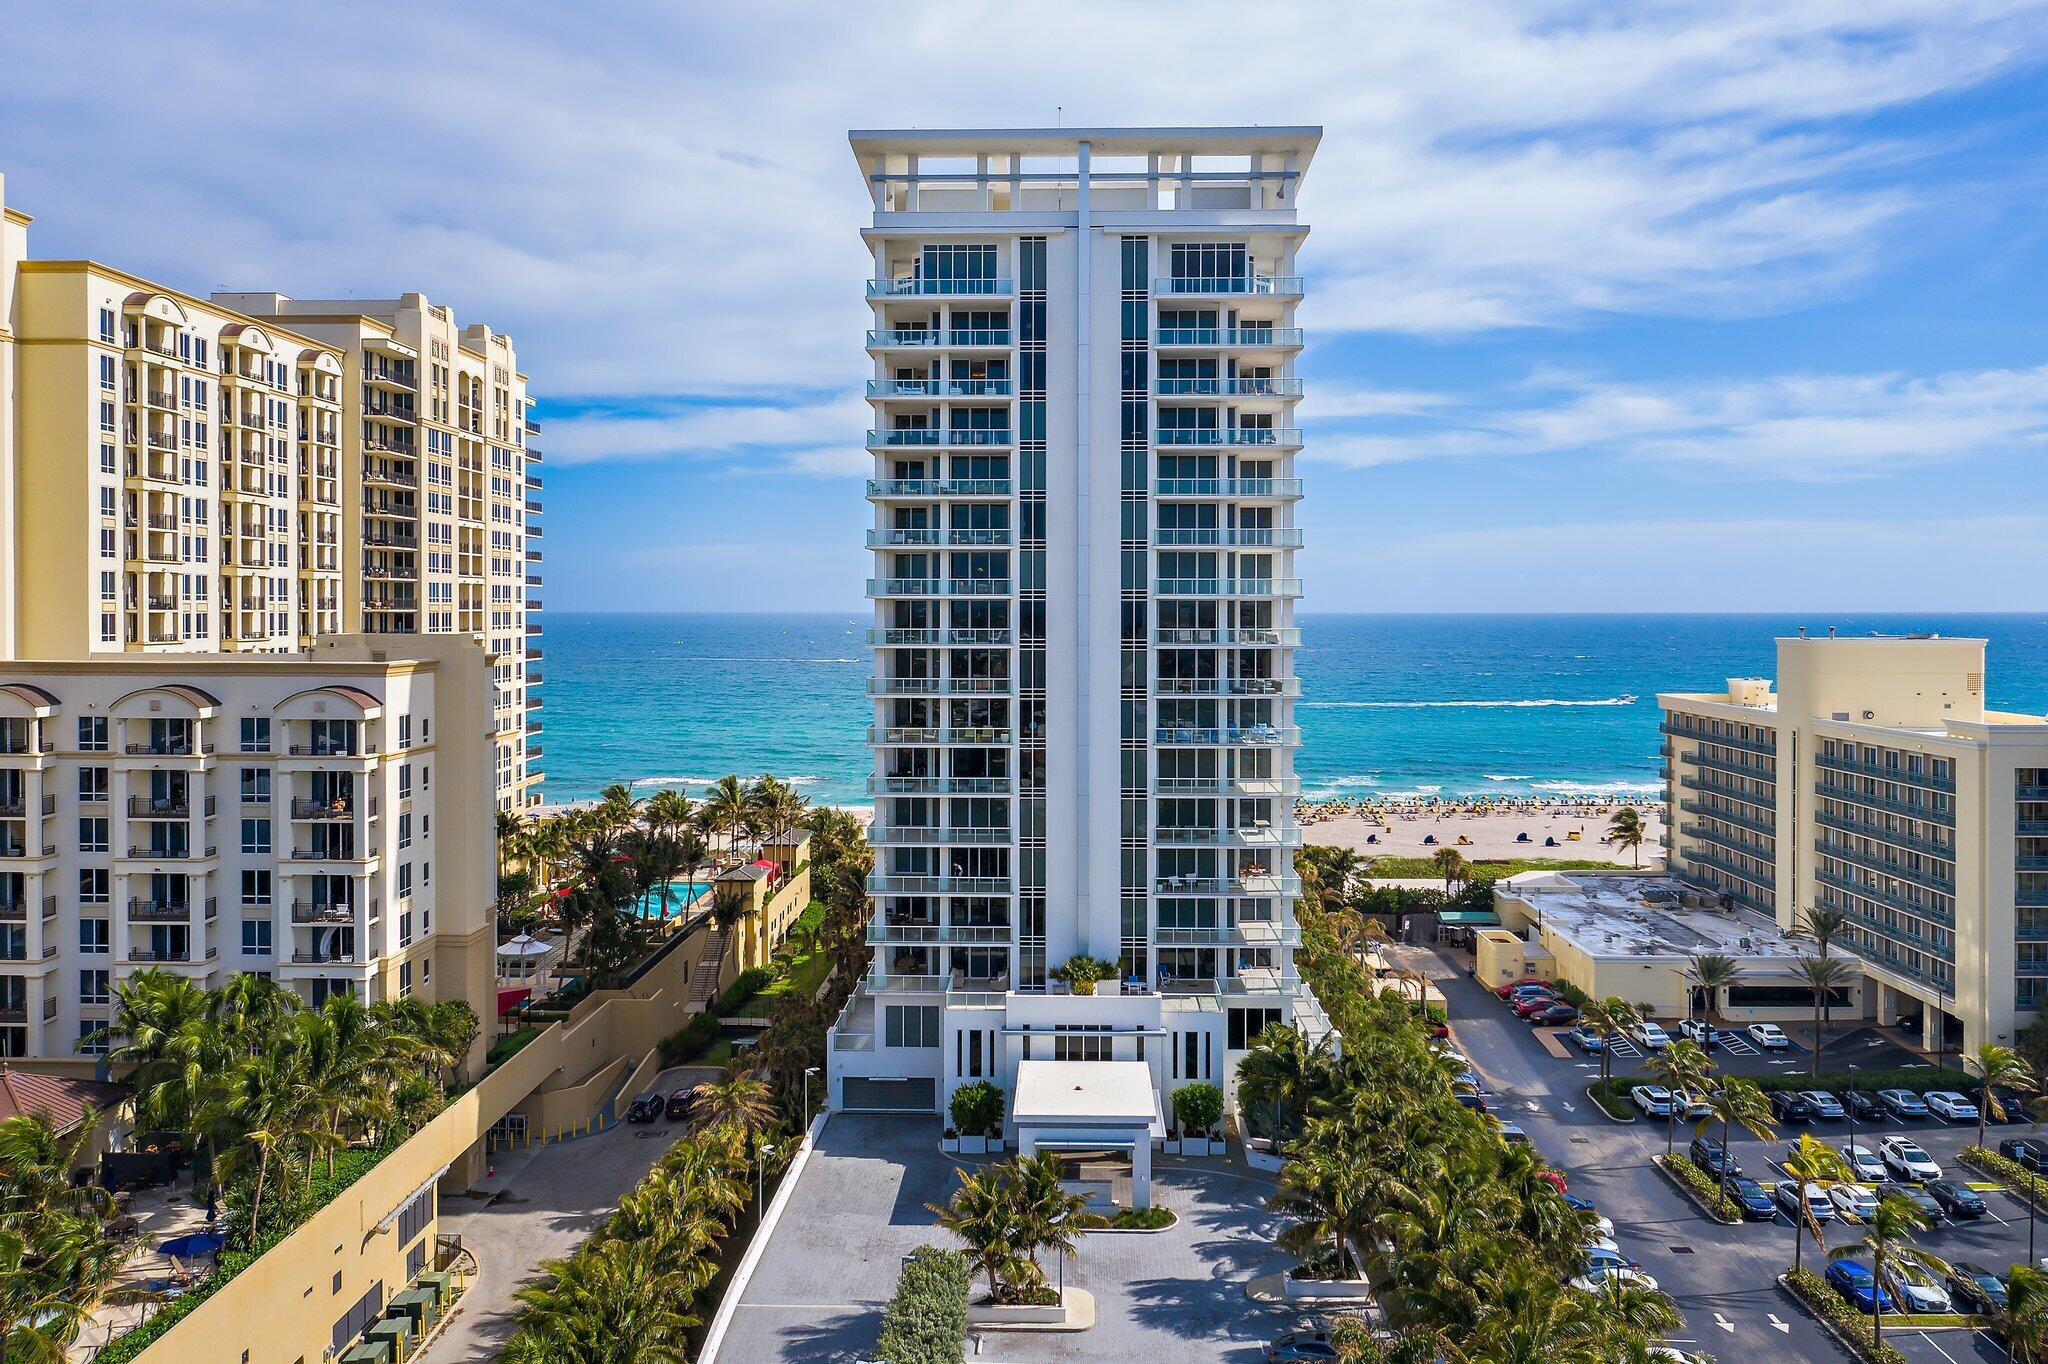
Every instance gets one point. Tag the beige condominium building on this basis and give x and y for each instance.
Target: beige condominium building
(1875, 781)
(324, 819)
(251, 473)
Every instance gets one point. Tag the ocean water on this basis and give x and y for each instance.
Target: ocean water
(1392, 704)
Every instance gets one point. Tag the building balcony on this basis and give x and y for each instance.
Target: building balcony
(1227, 587)
(169, 748)
(1229, 286)
(1879, 772)
(155, 807)
(916, 931)
(1885, 896)
(1727, 792)
(941, 388)
(1676, 731)
(1247, 885)
(939, 686)
(1755, 826)
(938, 587)
(1221, 785)
(171, 852)
(171, 955)
(1216, 537)
(1254, 736)
(1229, 489)
(1227, 686)
(1695, 758)
(911, 537)
(975, 338)
(1228, 437)
(336, 852)
(1239, 836)
(923, 286)
(940, 786)
(146, 911)
(1229, 388)
(1911, 809)
(334, 808)
(892, 835)
(886, 982)
(311, 912)
(885, 883)
(1288, 637)
(17, 911)
(942, 437)
(934, 736)
(936, 637)
(1926, 877)
(1229, 338)
(924, 489)
(1707, 857)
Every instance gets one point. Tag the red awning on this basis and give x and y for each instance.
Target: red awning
(508, 1000)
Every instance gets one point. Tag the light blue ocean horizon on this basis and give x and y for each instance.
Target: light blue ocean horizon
(1393, 705)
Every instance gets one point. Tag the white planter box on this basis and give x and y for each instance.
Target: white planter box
(950, 1144)
(1353, 1289)
(983, 1314)
(1200, 1146)
(973, 1146)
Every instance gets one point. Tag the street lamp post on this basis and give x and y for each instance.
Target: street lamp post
(809, 1071)
(1849, 1103)
(760, 1182)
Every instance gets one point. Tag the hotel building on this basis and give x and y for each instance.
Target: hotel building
(249, 473)
(323, 819)
(1083, 387)
(1875, 781)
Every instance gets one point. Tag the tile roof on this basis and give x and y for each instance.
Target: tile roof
(64, 1098)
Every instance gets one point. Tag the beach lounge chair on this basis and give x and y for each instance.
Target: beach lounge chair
(1463, 841)
(1428, 840)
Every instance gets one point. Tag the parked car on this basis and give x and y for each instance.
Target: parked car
(1974, 1286)
(1825, 1106)
(1951, 1105)
(1904, 1158)
(1696, 1030)
(1957, 1199)
(2012, 1106)
(1651, 1036)
(1902, 1103)
(1852, 1200)
(1471, 1099)
(1298, 1346)
(1854, 1281)
(1710, 1155)
(1753, 1198)
(1919, 1290)
(1913, 1194)
(1789, 1105)
(1864, 1107)
(1586, 1039)
(679, 1102)
(1524, 991)
(1601, 1243)
(1556, 1016)
(1598, 1259)
(1598, 1223)
(1530, 1005)
(1692, 1108)
(1505, 990)
(646, 1108)
(1653, 1100)
(1863, 1162)
(1786, 1191)
(1598, 1279)
(2030, 1152)
(1769, 1036)
(1513, 1135)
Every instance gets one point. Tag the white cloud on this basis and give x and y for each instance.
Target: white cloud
(1787, 426)
(657, 200)
(702, 429)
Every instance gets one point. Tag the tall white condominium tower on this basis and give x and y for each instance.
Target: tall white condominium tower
(1083, 389)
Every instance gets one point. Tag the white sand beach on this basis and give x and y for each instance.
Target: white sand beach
(1489, 832)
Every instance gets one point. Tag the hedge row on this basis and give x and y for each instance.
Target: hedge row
(2007, 1171)
(690, 1041)
(744, 987)
(926, 1322)
(1832, 1307)
(1704, 1188)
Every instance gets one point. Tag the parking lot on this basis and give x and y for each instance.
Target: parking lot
(1721, 1277)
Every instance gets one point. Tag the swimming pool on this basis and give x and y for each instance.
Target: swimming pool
(671, 898)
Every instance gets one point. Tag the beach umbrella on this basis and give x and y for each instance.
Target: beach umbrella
(524, 946)
(194, 1243)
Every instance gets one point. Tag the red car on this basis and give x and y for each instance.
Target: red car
(1534, 1004)
(1557, 1180)
(1505, 990)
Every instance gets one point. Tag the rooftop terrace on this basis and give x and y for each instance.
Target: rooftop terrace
(1642, 916)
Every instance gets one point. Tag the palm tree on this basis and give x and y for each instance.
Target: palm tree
(1737, 1103)
(2023, 1322)
(1992, 1065)
(985, 1216)
(1709, 973)
(1451, 865)
(726, 807)
(1326, 1193)
(611, 1303)
(1824, 924)
(1813, 1162)
(1888, 1235)
(1683, 1069)
(1610, 1017)
(1048, 1210)
(1824, 976)
(1625, 829)
(1279, 1074)
(741, 1105)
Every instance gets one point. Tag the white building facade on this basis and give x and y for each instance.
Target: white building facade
(1084, 440)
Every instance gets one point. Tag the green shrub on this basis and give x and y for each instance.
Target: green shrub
(977, 1109)
(1083, 971)
(690, 1041)
(1812, 1290)
(1128, 1219)
(1701, 1186)
(744, 987)
(926, 1321)
(1572, 994)
(1198, 1107)
(2008, 1172)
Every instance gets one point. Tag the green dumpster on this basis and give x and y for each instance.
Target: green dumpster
(369, 1352)
(395, 1332)
(441, 1284)
(418, 1306)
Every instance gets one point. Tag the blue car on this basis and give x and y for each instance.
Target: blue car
(1754, 1199)
(1855, 1282)
(1581, 1204)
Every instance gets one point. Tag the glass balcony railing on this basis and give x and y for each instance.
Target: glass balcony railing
(912, 536)
(1247, 537)
(1246, 338)
(937, 436)
(1228, 587)
(1249, 489)
(1879, 772)
(941, 388)
(1209, 736)
(928, 286)
(938, 587)
(1250, 635)
(1232, 285)
(957, 786)
(904, 338)
(1211, 387)
(1280, 436)
(939, 487)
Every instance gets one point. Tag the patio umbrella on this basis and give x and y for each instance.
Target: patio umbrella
(191, 1244)
(524, 946)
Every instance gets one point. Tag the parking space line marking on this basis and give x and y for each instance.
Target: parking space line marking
(1937, 1348)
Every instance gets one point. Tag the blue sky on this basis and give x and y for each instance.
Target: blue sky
(1666, 306)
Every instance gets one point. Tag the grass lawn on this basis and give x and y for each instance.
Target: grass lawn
(1423, 869)
(798, 972)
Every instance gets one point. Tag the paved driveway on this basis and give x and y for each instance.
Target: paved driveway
(859, 1207)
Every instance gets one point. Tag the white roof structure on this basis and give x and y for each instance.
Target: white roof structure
(1622, 916)
(1086, 1094)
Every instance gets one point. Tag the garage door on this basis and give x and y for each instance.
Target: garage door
(890, 1096)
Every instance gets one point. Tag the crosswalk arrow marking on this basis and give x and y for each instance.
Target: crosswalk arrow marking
(1779, 1324)
(1571, 1108)
(1724, 1323)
